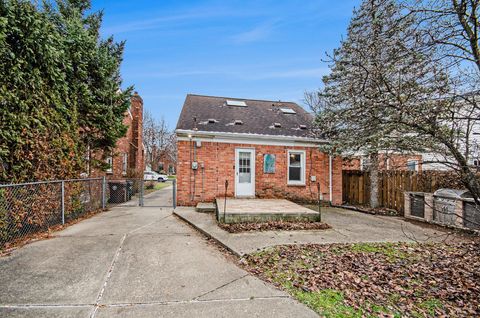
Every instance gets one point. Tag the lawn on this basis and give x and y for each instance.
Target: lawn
(151, 186)
(161, 185)
(376, 279)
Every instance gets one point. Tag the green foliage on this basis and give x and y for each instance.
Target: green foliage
(379, 81)
(430, 306)
(328, 303)
(388, 249)
(59, 87)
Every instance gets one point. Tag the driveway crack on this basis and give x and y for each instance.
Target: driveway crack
(220, 287)
(107, 277)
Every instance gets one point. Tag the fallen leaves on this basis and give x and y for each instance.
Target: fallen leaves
(403, 279)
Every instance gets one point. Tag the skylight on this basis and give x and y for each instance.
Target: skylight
(277, 125)
(288, 111)
(238, 122)
(236, 103)
(303, 127)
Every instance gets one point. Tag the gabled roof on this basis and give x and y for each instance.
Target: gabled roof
(259, 117)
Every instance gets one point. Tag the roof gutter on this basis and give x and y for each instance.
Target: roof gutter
(246, 136)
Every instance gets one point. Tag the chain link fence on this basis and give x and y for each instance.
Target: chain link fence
(125, 192)
(27, 209)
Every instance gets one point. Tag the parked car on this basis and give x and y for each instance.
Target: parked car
(154, 176)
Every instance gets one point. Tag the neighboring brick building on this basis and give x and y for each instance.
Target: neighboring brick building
(164, 162)
(127, 159)
(391, 162)
(262, 148)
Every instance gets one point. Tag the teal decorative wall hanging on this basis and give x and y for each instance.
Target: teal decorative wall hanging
(269, 163)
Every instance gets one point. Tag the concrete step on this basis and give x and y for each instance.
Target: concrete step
(205, 207)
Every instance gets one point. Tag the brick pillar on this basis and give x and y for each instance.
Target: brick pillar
(429, 207)
(459, 213)
(136, 159)
(407, 208)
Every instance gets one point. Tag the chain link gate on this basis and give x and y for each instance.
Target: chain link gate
(158, 194)
(138, 192)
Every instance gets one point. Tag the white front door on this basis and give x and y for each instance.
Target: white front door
(244, 172)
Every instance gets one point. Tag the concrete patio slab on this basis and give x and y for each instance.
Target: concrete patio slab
(262, 210)
(347, 227)
(265, 308)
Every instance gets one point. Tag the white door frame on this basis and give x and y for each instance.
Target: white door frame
(252, 170)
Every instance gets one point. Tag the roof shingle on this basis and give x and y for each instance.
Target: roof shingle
(258, 117)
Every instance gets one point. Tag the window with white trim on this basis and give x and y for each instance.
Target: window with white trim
(364, 164)
(296, 167)
(412, 165)
(124, 163)
(109, 162)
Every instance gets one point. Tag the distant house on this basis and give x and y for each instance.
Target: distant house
(163, 161)
(127, 159)
(401, 162)
(261, 148)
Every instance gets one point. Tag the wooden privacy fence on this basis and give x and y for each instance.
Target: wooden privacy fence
(392, 184)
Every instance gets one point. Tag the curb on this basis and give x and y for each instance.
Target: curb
(208, 235)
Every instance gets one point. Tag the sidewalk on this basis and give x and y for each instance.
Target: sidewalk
(133, 262)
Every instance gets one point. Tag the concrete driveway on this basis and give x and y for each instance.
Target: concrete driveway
(134, 262)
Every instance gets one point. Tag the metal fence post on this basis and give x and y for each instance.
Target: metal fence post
(140, 197)
(63, 202)
(104, 192)
(174, 196)
(319, 202)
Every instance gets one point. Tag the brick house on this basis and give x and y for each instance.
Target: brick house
(262, 148)
(402, 162)
(162, 161)
(127, 159)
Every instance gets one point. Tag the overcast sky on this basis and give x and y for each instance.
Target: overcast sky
(250, 49)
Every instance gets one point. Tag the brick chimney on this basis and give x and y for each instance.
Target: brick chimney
(136, 151)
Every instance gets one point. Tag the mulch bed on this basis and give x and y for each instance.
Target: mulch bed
(272, 226)
(369, 210)
(379, 279)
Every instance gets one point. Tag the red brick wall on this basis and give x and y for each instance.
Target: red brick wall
(131, 144)
(136, 151)
(397, 162)
(218, 160)
(351, 164)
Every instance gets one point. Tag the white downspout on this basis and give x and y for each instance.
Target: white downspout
(330, 177)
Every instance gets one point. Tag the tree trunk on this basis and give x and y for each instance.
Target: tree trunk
(373, 168)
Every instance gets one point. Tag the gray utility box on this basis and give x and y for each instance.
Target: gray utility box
(471, 215)
(417, 205)
(447, 205)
